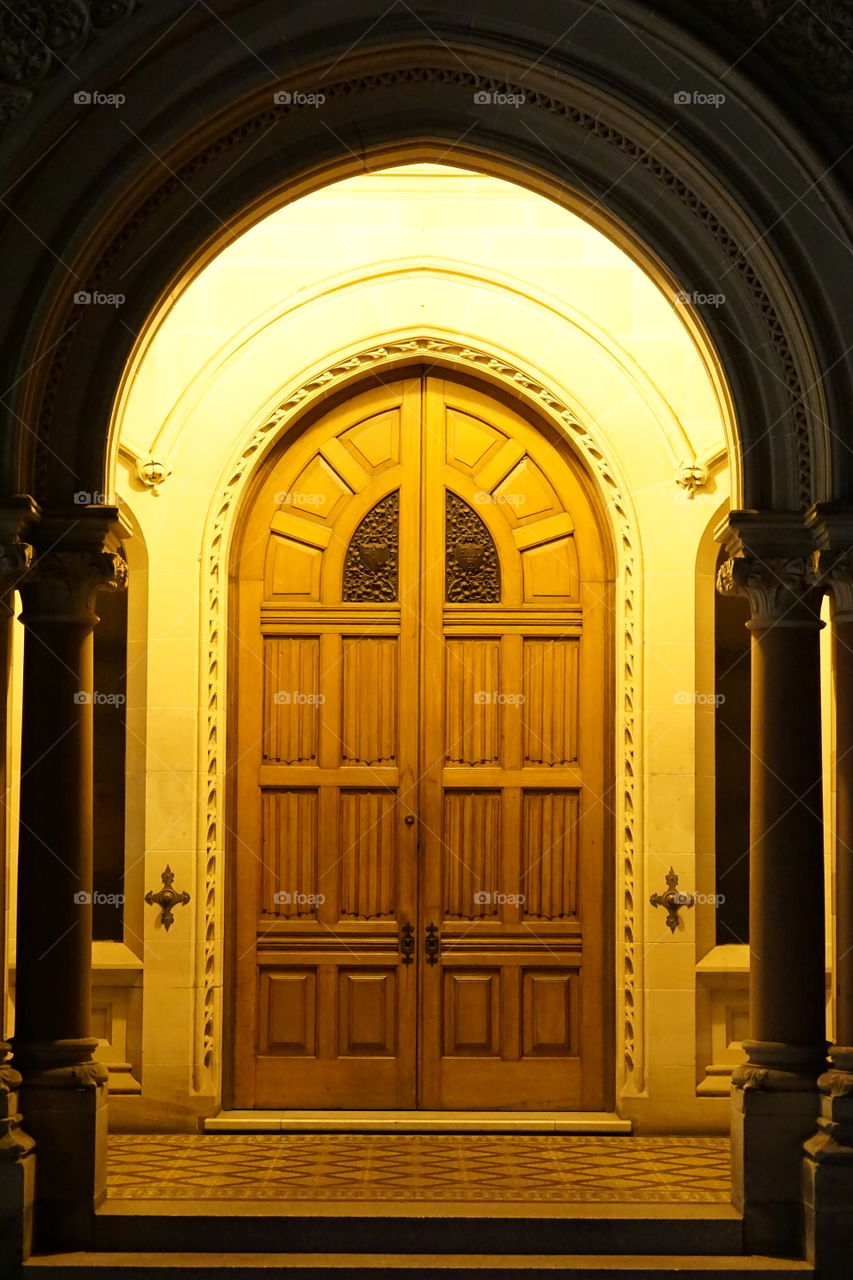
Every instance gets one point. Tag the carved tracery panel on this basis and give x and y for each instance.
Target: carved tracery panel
(473, 574)
(370, 568)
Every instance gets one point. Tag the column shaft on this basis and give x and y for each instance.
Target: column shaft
(54, 924)
(63, 1092)
(842, 652)
(787, 959)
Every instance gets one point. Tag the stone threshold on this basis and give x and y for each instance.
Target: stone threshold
(581, 1122)
(420, 1266)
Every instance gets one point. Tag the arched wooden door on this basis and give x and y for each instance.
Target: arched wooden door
(420, 824)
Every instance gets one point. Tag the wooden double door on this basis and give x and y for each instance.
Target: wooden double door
(419, 759)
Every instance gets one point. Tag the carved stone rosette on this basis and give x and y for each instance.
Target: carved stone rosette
(780, 591)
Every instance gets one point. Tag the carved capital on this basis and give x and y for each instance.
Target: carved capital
(76, 557)
(63, 585)
(16, 555)
(780, 591)
(832, 571)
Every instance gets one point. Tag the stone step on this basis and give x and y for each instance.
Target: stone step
(318, 1266)
(227, 1227)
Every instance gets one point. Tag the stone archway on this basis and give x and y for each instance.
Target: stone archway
(664, 188)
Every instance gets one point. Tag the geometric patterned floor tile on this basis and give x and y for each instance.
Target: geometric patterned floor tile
(465, 1168)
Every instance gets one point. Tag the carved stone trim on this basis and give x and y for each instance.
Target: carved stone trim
(780, 591)
(40, 40)
(593, 124)
(402, 352)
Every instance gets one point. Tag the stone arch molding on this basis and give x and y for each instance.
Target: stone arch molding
(695, 207)
(348, 370)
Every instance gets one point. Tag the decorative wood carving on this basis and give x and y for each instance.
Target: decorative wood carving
(473, 573)
(370, 568)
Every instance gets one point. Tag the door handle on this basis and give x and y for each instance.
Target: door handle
(432, 944)
(407, 943)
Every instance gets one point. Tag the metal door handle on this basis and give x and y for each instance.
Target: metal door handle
(407, 943)
(432, 944)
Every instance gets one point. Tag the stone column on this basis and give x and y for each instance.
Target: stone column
(64, 1090)
(17, 1163)
(774, 1091)
(828, 1167)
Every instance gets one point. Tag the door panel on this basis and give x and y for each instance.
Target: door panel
(420, 741)
(327, 748)
(511, 805)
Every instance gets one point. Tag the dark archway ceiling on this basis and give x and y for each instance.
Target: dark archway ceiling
(799, 52)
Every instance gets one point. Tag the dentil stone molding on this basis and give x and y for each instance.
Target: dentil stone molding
(460, 355)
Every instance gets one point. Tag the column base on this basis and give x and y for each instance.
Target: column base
(828, 1176)
(17, 1173)
(769, 1127)
(65, 1109)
